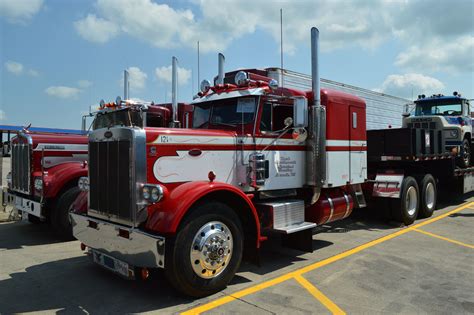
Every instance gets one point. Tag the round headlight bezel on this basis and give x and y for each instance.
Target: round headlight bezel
(38, 184)
(152, 193)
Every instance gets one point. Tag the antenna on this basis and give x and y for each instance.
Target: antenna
(281, 47)
(198, 82)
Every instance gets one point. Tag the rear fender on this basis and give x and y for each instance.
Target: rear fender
(57, 177)
(172, 209)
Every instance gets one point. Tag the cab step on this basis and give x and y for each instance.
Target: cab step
(358, 196)
(285, 216)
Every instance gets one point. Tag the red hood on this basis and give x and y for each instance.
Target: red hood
(55, 138)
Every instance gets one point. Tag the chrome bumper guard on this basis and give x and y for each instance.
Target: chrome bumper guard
(24, 205)
(127, 244)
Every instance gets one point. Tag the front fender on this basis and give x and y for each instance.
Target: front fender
(58, 176)
(168, 214)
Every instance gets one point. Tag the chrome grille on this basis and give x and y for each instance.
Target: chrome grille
(21, 167)
(113, 175)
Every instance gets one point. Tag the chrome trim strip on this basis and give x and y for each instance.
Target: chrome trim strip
(348, 205)
(140, 249)
(331, 204)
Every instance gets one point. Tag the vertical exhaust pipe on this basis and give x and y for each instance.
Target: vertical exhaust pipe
(220, 74)
(126, 85)
(174, 91)
(316, 153)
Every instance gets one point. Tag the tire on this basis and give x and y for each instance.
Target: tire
(405, 209)
(185, 264)
(464, 160)
(60, 215)
(428, 194)
(33, 219)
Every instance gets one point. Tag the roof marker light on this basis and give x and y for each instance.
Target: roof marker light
(205, 86)
(241, 78)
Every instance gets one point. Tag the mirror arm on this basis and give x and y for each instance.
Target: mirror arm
(285, 130)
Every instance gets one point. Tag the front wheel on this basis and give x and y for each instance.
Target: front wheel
(465, 160)
(406, 208)
(207, 250)
(60, 215)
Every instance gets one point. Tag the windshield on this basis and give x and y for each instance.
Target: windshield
(227, 112)
(125, 117)
(438, 108)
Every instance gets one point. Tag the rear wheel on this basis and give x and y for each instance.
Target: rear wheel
(428, 194)
(406, 208)
(207, 250)
(60, 215)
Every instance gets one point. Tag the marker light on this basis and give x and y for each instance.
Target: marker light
(205, 86)
(241, 78)
(83, 183)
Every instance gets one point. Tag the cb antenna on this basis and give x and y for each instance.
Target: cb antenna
(198, 82)
(281, 48)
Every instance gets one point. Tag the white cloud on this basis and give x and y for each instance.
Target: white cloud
(136, 78)
(19, 11)
(14, 67)
(64, 92)
(440, 55)
(95, 29)
(420, 26)
(164, 74)
(84, 84)
(2, 115)
(33, 73)
(411, 84)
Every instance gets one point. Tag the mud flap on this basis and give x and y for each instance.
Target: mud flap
(302, 240)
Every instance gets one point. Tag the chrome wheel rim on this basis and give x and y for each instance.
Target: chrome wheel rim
(467, 154)
(411, 201)
(430, 196)
(211, 249)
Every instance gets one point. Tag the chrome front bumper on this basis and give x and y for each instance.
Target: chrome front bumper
(22, 204)
(139, 249)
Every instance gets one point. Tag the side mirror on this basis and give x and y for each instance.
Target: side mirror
(406, 114)
(300, 112)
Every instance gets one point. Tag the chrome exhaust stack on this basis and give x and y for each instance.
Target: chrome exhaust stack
(174, 92)
(220, 73)
(316, 151)
(126, 85)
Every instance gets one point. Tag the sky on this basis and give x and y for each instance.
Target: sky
(60, 57)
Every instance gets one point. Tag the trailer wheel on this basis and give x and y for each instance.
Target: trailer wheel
(60, 215)
(428, 194)
(406, 208)
(207, 250)
(464, 160)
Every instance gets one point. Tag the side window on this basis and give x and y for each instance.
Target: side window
(266, 120)
(154, 120)
(273, 116)
(280, 112)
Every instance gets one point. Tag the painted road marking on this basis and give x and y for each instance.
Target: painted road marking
(444, 238)
(319, 295)
(258, 287)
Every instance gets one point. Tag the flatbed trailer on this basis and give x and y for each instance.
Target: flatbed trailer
(407, 169)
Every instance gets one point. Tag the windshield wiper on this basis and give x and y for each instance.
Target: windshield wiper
(224, 124)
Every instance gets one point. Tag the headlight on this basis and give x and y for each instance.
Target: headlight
(152, 193)
(241, 78)
(83, 183)
(451, 133)
(9, 178)
(39, 184)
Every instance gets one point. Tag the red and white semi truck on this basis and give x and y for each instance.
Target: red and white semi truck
(46, 168)
(259, 160)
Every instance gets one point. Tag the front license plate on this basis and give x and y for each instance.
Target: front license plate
(111, 263)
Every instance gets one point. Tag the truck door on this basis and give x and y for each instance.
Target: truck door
(357, 145)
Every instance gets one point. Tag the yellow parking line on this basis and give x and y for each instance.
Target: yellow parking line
(444, 238)
(239, 294)
(319, 295)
